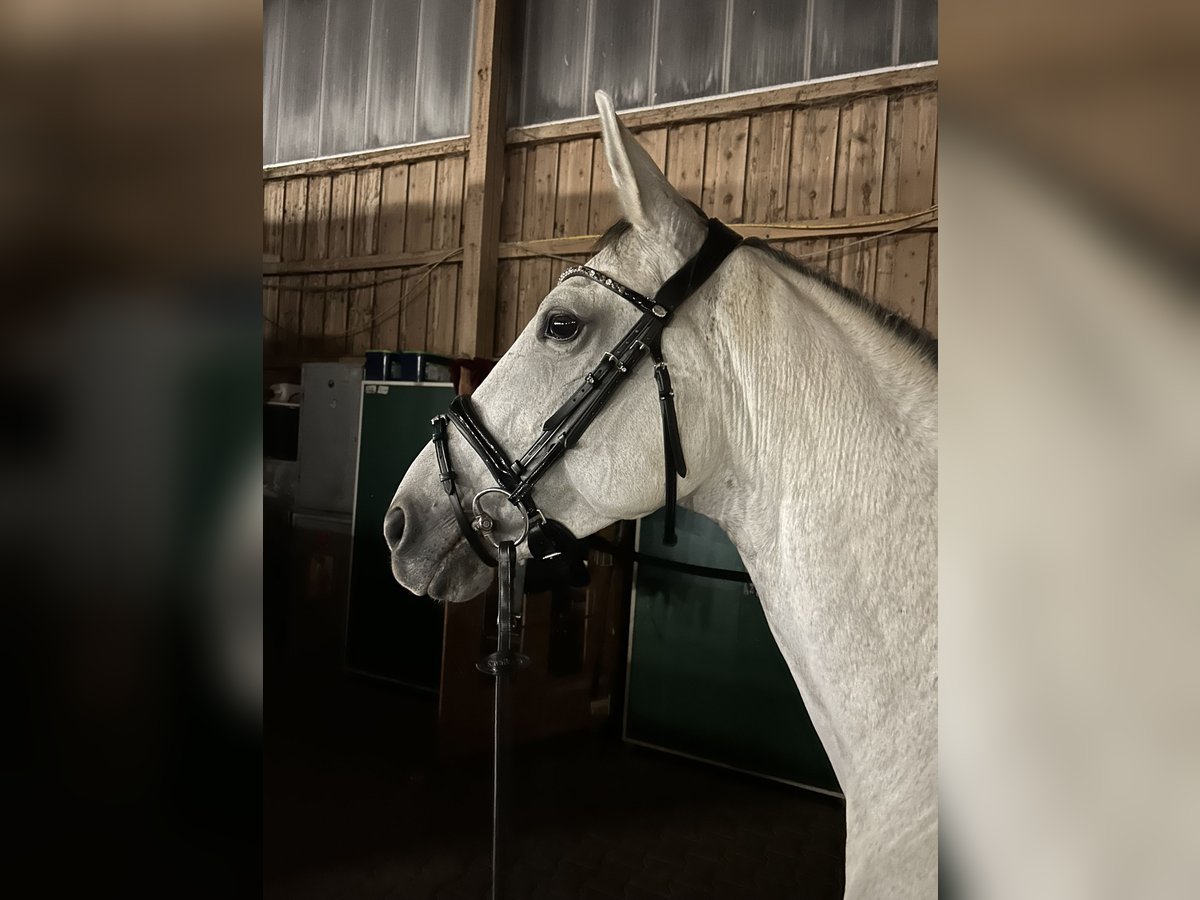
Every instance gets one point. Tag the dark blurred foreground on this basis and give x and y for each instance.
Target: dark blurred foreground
(356, 804)
(131, 451)
(130, 205)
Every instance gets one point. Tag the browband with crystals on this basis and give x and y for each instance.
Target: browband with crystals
(645, 304)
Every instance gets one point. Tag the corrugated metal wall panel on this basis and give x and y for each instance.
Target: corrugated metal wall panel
(918, 31)
(444, 70)
(768, 43)
(690, 61)
(851, 36)
(272, 74)
(622, 33)
(553, 66)
(392, 75)
(303, 64)
(363, 74)
(344, 94)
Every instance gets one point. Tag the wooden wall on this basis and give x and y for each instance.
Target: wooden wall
(824, 158)
(404, 208)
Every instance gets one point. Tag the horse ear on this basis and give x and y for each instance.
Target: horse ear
(646, 197)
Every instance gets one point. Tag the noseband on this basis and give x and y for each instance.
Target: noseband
(516, 480)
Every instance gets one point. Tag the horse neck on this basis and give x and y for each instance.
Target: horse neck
(828, 409)
(828, 485)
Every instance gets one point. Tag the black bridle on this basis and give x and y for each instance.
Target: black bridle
(516, 480)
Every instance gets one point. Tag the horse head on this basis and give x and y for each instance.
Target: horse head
(613, 471)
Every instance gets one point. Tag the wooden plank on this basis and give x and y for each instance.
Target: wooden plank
(811, 174)
(353, 162)
(484, 176)
(365, 240)
(811, 177)
(508, 274)
(295, 202)
(447, 234)
(393, 214)
(913, 150)
(885, 254)
(341, 226)
(316, 246)
(858, 186)
(768, 161)
(685, 160)
(931, 290)
(834, 89)
(512, 211)
(930, 322)
(725, 170)
(418, 235)
(654, 140)
(272, 249)
(603, 209)
(541, 188)
(574, 188)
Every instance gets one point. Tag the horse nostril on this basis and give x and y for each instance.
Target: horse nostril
(393, 527)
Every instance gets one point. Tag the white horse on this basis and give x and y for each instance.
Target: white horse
(809, 423)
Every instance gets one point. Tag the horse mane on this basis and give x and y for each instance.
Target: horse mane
(611, 235)
(920, 340)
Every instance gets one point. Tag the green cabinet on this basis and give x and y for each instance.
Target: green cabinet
(706, 678)
(390, 632)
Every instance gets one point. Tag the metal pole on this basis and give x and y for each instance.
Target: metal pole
(501, 664)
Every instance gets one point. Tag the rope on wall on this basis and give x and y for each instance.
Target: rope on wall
(421, 274)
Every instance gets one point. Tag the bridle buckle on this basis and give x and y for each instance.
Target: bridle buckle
(616, 362)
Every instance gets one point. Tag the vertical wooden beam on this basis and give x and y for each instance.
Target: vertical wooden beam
(484, 182)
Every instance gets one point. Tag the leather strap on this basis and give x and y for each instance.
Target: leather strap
(719, 242)
(674, 464)
(482, 443)
(441, 447)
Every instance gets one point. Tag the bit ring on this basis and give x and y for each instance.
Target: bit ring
(485, 524)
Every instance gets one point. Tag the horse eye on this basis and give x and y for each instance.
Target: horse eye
(561, 326)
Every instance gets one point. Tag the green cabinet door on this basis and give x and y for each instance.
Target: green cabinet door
(390, 632)
(706, 678)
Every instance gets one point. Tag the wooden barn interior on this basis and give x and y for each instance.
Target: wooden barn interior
(429, 169)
